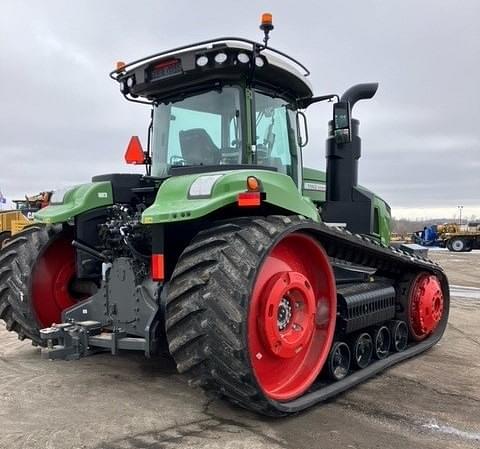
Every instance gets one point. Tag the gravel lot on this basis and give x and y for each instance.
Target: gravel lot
(432, 401)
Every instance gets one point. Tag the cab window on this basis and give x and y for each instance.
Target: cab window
(275, 134)
(203, 129)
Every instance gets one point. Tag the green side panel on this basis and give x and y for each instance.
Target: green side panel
(314, 184)
(384, 221)
(174, 202)
(77, 200)
(382, 212)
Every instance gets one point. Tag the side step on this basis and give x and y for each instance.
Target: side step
(73, 340)
(414, 249)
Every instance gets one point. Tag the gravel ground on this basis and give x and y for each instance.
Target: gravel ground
(432, 401)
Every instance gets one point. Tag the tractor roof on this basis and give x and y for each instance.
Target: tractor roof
(177, 72)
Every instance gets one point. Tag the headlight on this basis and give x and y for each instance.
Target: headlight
(202, 186)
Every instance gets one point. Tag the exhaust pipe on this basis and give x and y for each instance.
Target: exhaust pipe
(345, 203)
(363, 91)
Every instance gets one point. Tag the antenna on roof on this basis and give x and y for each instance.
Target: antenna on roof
(266, 26)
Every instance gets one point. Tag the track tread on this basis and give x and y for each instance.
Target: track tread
(222, 359)
(215, 355)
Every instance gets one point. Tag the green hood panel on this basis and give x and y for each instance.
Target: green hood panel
(174, 202)
(77, 200)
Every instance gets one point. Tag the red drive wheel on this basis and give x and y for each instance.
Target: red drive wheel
(52, 275)
(425, 306)
(292, 316)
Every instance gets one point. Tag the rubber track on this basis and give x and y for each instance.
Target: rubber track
(208, 299)
(17, 259)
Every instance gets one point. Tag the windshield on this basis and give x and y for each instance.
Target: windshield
(204, 129)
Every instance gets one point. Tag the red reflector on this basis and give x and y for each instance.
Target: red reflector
(249, 199)
(158, 267)
(134, 153)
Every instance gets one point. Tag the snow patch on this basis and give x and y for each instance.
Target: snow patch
(461, 291)
(450, 430)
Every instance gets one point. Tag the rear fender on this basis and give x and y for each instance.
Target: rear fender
(75, 201)
(179, 199)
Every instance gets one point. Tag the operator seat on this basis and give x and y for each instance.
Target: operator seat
(198, 148)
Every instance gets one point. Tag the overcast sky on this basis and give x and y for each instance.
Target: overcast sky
(63, 120)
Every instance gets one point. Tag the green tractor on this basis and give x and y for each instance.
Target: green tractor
(270, 284)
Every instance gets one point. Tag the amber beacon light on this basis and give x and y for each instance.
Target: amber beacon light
(266, 26)
(267, 21)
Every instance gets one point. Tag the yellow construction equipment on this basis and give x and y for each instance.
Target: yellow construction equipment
(14, 221)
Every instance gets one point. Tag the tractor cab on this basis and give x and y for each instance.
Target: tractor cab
(219, 105)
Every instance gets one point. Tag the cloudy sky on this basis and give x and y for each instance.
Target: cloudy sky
(63, 120)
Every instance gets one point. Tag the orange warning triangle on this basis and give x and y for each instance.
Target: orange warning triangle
(134, 153)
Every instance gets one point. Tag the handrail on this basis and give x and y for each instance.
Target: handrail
(115, 73)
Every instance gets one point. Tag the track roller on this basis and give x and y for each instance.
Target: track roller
(399, 333)
(382, 341)
(339, 361)
(363, 350)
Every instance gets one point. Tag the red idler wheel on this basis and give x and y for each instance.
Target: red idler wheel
(425, 306)
(292, 316)
(52, 275)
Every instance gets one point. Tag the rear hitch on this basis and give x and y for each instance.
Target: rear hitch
(76, 339)
(69, 341)
(117, 317)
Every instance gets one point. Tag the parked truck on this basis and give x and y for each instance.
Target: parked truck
(462, 239)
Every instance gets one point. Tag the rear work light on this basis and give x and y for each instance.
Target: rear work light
(259, 62)
(130, 81)
(243, 58)
(202, 61)
(220, 58)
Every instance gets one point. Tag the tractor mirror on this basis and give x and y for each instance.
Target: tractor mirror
(302, 129)
(342, 123)
(134, 153)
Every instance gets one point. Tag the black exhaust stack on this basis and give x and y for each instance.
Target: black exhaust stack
(345, 201)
